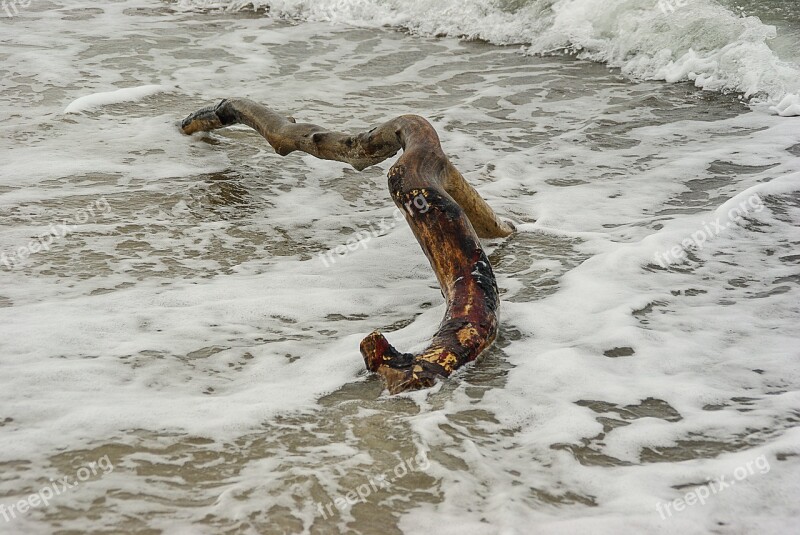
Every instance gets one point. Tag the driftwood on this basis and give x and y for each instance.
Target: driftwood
(455, 216)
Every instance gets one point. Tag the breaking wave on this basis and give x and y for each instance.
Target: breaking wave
(699, 41)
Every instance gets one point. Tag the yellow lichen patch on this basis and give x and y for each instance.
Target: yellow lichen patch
(467, 334)
(441, 356)
(434, 355)
(416, 192)
(449, 363)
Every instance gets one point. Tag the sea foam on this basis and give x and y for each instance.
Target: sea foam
(700, 42)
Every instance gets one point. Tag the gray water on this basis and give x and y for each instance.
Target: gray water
(190, 336)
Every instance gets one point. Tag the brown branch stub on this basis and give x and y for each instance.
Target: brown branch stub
(455, 215)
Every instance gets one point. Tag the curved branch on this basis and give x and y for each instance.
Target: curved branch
(446, 214)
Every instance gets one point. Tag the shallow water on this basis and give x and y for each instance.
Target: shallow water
(186, 330)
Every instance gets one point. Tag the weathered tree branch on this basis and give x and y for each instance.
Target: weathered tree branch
(455, 215)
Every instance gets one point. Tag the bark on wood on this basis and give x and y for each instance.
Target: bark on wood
(448, 230)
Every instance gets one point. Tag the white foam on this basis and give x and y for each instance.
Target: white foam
(701, 41)
(789, 106)
(127, 94)
(198, 306)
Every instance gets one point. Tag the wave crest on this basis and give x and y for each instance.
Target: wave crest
(671, 40)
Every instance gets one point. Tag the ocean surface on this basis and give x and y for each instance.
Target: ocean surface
(179, 353)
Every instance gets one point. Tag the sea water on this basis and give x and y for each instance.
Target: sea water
(179, 350)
